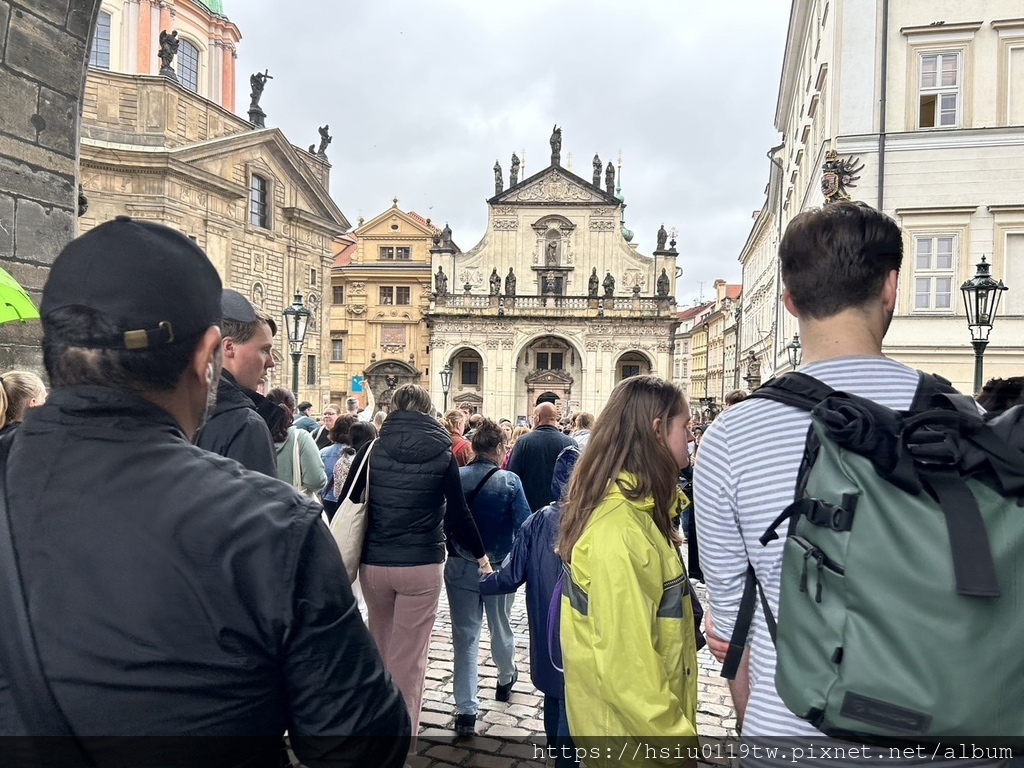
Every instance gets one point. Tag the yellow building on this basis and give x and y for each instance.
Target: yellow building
(380, 289)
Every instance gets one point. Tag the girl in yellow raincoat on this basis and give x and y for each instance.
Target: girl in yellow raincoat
(627, 630)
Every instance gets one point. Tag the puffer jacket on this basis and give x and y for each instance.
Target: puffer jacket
(237, 430)
(533, 562)
(415, 494)
(628, 643)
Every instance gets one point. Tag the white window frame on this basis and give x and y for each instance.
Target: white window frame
(337, 350)
(99, 50)
(940, 91)
(933, 273)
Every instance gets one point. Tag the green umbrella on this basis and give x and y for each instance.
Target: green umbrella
(14, 302)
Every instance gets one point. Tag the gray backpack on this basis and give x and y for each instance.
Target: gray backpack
(901, 611)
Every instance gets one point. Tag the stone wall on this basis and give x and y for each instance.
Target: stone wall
(43, 51)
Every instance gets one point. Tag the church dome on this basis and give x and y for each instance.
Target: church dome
(216, 7)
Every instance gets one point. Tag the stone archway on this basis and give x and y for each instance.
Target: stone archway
(384, 377)
(42, 77)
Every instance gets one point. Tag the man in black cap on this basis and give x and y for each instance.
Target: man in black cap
(238, 425)
(164, 590)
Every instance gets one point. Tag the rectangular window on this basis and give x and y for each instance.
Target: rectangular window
(542, 361)
(1013, 271)
(939, 90)
(338, 294)
(556, 361)
(470, 373)
(630, 370)
(99, 54)
(310, 370)
(337, 350)
(403, 253)
(188, 65)
(387, 253)
(933, 273)
(312, 277)
(258, 201)
(403, 295)
(387, 294)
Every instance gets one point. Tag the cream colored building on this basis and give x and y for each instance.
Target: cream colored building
(689, 359)
(586, 310)
(928, 97)
(155, 149)
(380, 288)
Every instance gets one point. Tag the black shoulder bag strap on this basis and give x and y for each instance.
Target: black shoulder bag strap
(479, 487)
(40, 713)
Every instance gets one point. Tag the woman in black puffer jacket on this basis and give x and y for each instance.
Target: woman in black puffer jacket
(416, 500)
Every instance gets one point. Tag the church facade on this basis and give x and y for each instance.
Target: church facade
(553, 304)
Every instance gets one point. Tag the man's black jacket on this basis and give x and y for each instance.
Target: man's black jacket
(174, 593)
(533, 459)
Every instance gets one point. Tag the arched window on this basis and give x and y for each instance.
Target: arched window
(99, 54)
(188, 66)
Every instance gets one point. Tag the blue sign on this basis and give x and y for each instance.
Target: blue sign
(357, 383)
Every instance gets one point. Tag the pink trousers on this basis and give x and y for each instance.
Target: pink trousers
(402, 605)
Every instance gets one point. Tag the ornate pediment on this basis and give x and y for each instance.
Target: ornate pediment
(554, 186)
(549, 379)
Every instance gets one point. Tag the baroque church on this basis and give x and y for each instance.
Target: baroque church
(554, 303)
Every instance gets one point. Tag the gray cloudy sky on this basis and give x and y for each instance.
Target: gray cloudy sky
(422, 97)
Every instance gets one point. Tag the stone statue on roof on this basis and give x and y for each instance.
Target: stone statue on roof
(663, 283)
(609, 283)
(499, 185)
(556, 145)
(257, 82)
(495, 281)
(510, 283)
(609, 178)
(440, 282)
(446, 235)
(513, 171)
(662, 237)
(168, 50)
(597, 170)
(593, 283)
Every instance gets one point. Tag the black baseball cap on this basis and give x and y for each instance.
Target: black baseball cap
(153, 281)
(234, 306)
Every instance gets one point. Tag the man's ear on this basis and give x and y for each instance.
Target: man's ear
(890, 289)
(204, 358)
(227, 344)
(787, 299)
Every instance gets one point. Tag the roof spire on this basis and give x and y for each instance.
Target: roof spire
(627, 233)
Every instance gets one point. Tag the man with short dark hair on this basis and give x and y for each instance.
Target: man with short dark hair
(169, 591)
(305, 421)
(238, 426)
(533, 457)
(840, 266)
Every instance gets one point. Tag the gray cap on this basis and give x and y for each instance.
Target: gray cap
(235, 306)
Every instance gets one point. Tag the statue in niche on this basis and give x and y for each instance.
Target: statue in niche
(549, 283)
(662, 238)
(753, 366)
(597, 171)
(168, 50)
(552, 252)
(510, 283)
(663, 283)
(325, 139)
(495, 282)
(609, 283)
(513, 171)
(609, 178)
(556, 145)
(257, 82)
(593, 283)
(440, 282)
(499, 185)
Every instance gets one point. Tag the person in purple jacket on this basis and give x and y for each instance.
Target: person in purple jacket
(533, 562)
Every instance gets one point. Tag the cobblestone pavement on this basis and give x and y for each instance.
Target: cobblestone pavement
(511, 735)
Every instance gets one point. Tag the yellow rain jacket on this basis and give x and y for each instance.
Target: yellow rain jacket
(627, 638)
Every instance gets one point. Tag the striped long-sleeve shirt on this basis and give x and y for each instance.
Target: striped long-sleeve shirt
(744, 477)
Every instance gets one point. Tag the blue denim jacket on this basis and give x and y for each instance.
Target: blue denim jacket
(499, 509)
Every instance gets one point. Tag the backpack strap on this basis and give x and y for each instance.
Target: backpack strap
(554, 616)
(796, 389)
(37, 707)
(741, 630)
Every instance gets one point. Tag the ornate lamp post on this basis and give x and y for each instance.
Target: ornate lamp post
(446, 382)
(794, 351)
(981, 300)
(296, 321)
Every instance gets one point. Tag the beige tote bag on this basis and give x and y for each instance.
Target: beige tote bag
(348, 525)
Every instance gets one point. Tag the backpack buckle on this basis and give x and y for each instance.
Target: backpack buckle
(830, 516)
(932, 448)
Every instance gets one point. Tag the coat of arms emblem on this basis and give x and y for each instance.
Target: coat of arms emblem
(838, 175)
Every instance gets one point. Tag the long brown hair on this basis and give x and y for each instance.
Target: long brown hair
(624, 440)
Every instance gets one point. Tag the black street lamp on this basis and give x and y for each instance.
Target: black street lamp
(794, 351)
(296, 321)
(446, 382)
(981, 300)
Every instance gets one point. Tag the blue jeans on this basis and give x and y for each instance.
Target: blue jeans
(467, 606)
